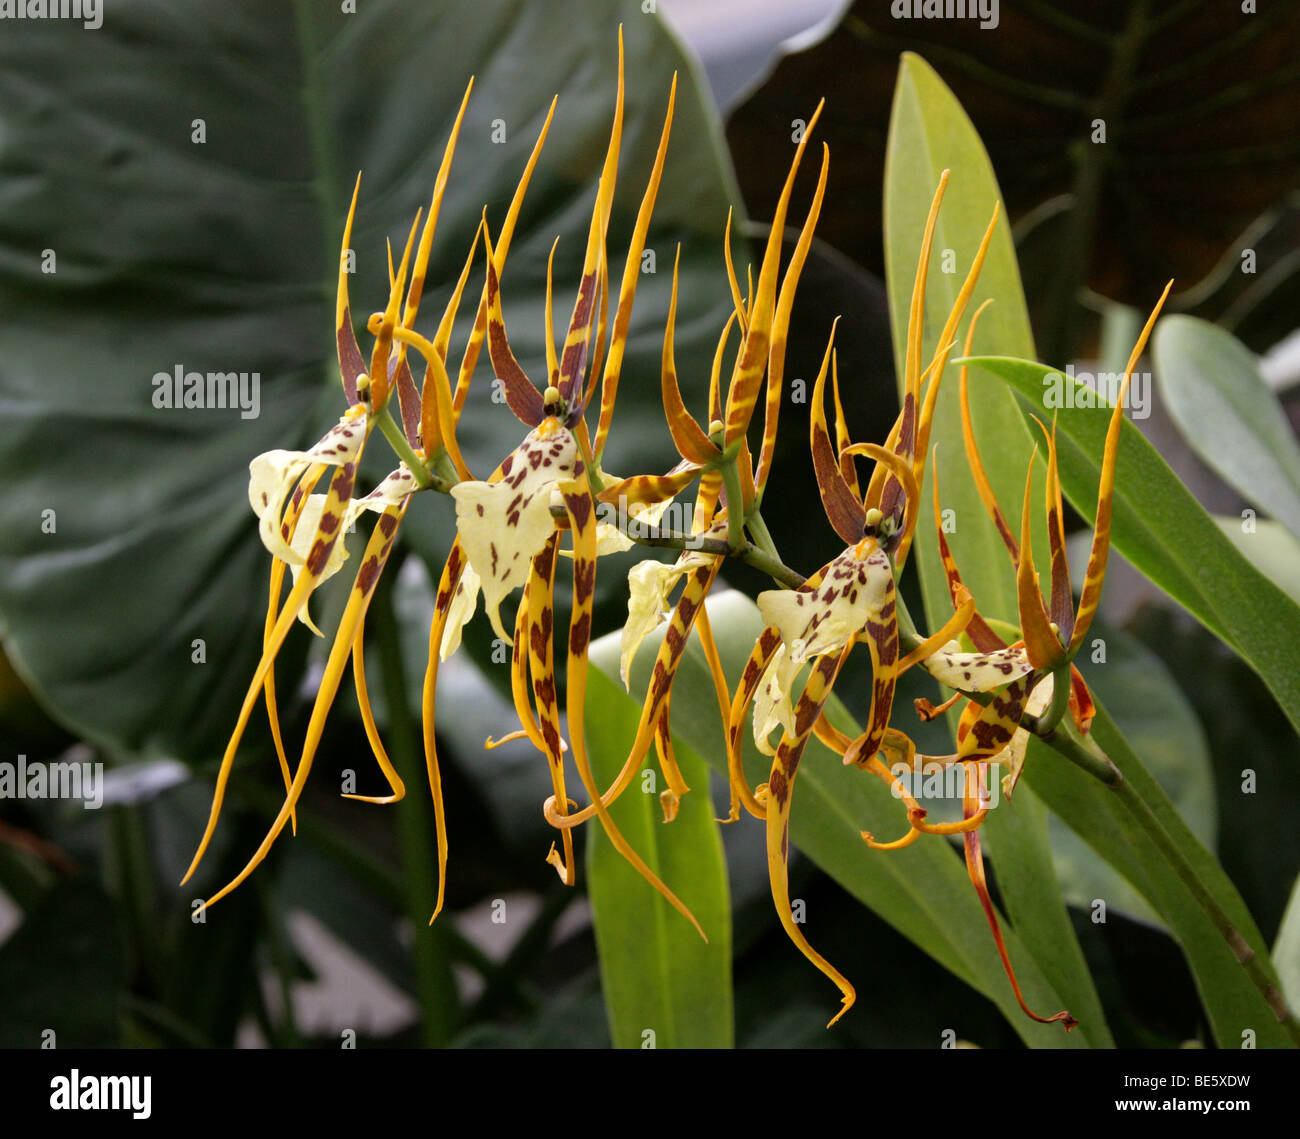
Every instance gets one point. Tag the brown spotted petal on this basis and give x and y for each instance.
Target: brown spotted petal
(977, 672)
(504, 525)
(272, 475)
(854, 588)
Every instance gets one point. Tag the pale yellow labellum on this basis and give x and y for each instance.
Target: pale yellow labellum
(853, 589)
(273, 475)
(461, 608)
(774, 699)
(504, 525)
(977, 672)
(649, 585)
(1013, 755)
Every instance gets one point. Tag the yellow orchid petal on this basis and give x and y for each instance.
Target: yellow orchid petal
(839, 499)
(460, 610)
(692, 441)
(397, 789)
(780, 788)
(581, 511)
(752, 360)
(474, 346)
(994, 725)
(1090, 596)
(573, 357)
(303, 539)
(701, 570)
(1042, 644)
(627, 290)
(391, 493)
(740, 306)
(974, 801)
(541, 664)
(376, 554)
(351, 363)
(781, 327)
(504, 525)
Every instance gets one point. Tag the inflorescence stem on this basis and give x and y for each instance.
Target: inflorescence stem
(405, 451)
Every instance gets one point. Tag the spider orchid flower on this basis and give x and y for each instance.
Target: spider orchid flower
(850, 599)
(510, 525)
(730, 488)
(304, 530)
(1032, 676)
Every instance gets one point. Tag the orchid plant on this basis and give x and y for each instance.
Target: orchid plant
(553, 495)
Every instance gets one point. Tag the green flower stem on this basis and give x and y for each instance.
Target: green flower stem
(443, 472)
(735, 509)
(771, 565)
(1101, 768)
(1060, 700)
(761, 534)
(434, 983)
(589, 464)
(748, 553)
(405, 452)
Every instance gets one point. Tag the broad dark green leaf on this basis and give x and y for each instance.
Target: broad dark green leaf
(1161, 529)
(657, 974)
(1210, 383)
(221, 255)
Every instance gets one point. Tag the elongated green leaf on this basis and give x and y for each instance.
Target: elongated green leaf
(1210, 383)
(141, 236)
(1163, 531)
(929, 132)
(922, 891)
(657, 975)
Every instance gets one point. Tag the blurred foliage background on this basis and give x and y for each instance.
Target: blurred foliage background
(219, 255)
